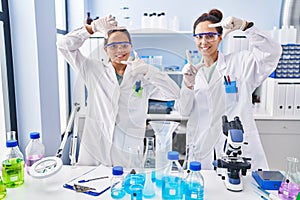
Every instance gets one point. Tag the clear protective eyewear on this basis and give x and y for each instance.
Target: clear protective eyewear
(116, 45)
(208, 36)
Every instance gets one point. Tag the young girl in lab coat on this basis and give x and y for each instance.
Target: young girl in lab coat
(118, 94)
(203, 94)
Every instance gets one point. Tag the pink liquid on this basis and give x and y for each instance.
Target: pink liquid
(288, 191)
(32, 159)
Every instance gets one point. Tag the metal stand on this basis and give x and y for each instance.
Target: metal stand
(73, 145)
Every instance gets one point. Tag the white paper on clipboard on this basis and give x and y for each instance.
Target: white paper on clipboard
(100, 185)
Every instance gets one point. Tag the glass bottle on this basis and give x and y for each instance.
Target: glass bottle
(13, 166)
(194, 187)
(35, 150)
(89, 19)
(173, 183)
(2, 189)
(117, 183)
(189, 156)
(289, 188)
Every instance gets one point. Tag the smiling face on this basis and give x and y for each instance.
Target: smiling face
(207, 47)
(118, 47)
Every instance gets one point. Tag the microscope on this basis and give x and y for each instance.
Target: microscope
(232, 165)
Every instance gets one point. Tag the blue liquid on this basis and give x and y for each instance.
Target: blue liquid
(117, 193)
(158, 183)
(136, 192)
(172, 188)
(133, 179)
(194, 191)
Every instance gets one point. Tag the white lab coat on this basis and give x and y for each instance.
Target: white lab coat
(208, 102)
(116, 119)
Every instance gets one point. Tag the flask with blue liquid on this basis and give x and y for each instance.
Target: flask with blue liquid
(194, 185)
(173, 181)
(117, 183)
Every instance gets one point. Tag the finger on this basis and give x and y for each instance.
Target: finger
(188, 56)
(215, 25)
(193, 69)
(136, 56)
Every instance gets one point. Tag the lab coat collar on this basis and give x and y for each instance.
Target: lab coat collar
(221, 65)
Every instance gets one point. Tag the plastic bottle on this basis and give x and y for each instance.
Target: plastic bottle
(283, 34)
(35, 150)
(194, 185)
(145, 21)
(174, 24)
(292, 35)
(2, 189)
(275, 34)
(163, 23)
(13, 165)
(173, 183)
(117, 183)
(154, 20)
(88, 19)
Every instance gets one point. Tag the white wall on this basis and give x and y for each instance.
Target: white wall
(35, 68)
(265, 14)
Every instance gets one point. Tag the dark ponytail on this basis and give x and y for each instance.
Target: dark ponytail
(214, 16)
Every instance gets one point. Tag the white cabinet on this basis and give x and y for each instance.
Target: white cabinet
(280, 139)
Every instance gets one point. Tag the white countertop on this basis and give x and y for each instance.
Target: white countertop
(52, 187)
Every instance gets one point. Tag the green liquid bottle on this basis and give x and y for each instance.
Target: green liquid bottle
(13, 166)
(2, 189)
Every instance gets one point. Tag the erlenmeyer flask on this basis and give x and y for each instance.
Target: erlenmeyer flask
(163, 144)
(149, 168)
(289, 188)
(149, 157)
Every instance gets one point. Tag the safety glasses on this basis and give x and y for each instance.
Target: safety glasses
(208, 36)
(118, 45)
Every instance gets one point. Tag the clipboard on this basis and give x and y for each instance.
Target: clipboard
(99, 186)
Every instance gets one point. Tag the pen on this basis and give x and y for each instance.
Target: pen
(92, 179)
(271, 196)
(261, 196)
(225, 79)
(228, 78)
(137, 86)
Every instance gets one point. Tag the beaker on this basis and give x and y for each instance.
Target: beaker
(289, 188)
(163, 139)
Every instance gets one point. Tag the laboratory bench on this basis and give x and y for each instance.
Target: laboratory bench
(52, 187)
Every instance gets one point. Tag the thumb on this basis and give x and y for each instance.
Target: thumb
(215, 25)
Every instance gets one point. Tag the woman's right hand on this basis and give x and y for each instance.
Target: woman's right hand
(189, 74)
